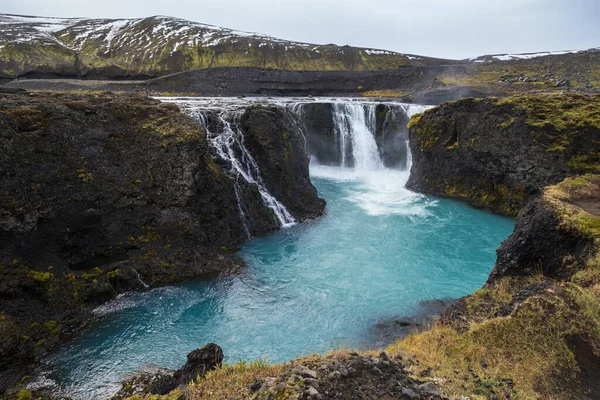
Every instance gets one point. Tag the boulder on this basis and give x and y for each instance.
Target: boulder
(199, 363)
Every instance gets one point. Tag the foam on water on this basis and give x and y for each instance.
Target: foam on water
(378, 191)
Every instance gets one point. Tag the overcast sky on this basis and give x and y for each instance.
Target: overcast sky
(440, 28)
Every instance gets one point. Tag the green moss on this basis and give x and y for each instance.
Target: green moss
(500, 198)
(149, 255)
(165, 264)
(24, 395)
(150, 235)
(39, 276)
(560, 112)
(51, 327)
(113, 274)
(93, 274)
(564, 198)
(585, 163)
(428, 132)
(507, 123)
(213, 167)
(41, 342)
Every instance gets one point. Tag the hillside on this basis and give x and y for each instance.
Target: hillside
(160, 45)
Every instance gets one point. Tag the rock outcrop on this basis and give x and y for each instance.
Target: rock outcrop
(346, 375)
(279, 147)
(499, 153)
(555, 235)
(199, 363)
(545, 286)
(107, 193)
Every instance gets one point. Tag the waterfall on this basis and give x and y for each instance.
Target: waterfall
(357, 136)
(412, 109)
(349, 140)
(139, 278)
(240, 203)
(228, 144)
(408, 156)
(355, 125)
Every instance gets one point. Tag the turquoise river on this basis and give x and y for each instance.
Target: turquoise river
(380, 254)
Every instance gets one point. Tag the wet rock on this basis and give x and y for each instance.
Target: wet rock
(409, 393)
(162, 381)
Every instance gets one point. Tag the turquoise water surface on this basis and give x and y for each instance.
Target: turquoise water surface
(376, 255)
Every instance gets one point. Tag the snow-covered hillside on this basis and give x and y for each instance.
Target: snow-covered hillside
(171, 45)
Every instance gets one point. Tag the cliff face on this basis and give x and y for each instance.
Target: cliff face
(97, 189)
(279, 146)
(499, 153)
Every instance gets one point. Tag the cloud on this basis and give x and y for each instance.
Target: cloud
(441, 28)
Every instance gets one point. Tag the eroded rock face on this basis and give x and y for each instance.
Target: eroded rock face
(555, 235)
(279, 148)
(499, 153)
(392, 135)
(105, 193)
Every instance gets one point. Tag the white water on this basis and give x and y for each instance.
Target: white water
(139, 278)
(355, 124)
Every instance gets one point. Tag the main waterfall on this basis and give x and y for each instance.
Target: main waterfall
(358, 134)
(355, 124)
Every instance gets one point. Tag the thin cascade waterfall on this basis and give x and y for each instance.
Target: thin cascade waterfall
(229, 146)
(241, 206)
(412, 109)
(408, 156)
(139, 278)
(355, 125)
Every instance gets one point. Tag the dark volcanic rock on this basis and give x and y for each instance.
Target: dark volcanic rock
(279, 147)
(162, 381)
(499, 153)
(323, 142)
(200, 362)
(106, 193)
(347, 375)
(392, 135)
(538, 245)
